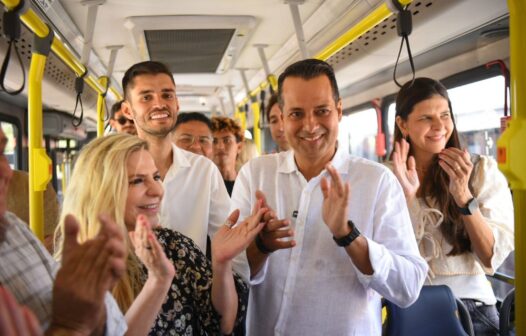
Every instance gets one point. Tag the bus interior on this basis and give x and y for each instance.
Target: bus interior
(226, 55)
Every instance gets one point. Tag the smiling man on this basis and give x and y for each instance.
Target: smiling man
(330, 250)
(196, 202)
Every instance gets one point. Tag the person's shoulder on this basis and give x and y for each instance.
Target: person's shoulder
(367, 166)
(484, 161)
(196, 160)
(268, 159)
(486, 168)
(14, 222)
(265, 162)
(18, 230)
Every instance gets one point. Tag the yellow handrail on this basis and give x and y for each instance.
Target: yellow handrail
(375, 17)
(371, 20)
(103, 80)
(115, 93)
(257, 131)
(272, 81)
(510, 153)
(39, 162)
(37, 26)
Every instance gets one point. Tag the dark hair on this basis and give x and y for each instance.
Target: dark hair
(273, 100)
(230, 125)
(436, 181)
(143, 68)
(116, 108)
(193, 116)
(308, 69)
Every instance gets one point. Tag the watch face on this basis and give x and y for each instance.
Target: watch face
(470, 208)
(473, 205)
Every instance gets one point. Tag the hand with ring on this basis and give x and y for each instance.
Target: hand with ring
(458, 166)
(230, 240)
(150, 252)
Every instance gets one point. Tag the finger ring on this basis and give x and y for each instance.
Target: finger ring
(228, 224)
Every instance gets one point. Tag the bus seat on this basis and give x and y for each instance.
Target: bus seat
(435, 312)
(507, 314)
(18, 203)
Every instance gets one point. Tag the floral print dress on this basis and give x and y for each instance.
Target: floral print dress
(187, 309)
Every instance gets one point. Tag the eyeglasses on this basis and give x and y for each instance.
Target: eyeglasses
(188, 140)
(123, 120)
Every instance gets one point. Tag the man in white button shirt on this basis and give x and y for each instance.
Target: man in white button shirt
(196, 202)
(339, 236)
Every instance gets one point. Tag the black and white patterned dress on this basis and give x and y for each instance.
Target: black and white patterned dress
(187, 309)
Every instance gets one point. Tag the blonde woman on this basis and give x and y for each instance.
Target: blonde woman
(117, 175)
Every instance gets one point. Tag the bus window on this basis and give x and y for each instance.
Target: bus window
(11, 132)
(357, 133)
(477, 108)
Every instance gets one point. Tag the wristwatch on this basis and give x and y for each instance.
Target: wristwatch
(348, 239)
(469, 208)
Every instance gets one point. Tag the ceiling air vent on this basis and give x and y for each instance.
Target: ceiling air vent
(192, 43)
(189, 50)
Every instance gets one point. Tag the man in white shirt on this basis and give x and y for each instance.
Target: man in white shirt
(313, 272)
(195, 201)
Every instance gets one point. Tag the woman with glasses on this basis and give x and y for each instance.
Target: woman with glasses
(202, 297)
(119, 122)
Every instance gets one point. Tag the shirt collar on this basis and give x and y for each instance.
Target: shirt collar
(340, 160)
(288, 165)
(179, 159)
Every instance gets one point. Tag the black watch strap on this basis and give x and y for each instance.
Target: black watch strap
(348, 239)
(469, 208)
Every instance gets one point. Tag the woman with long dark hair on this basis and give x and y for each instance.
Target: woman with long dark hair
(460, 205)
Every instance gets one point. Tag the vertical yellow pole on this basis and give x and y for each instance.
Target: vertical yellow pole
(520, 261)
(257, 130)
(39, 162)
(242, 117)
(273, 81)
(100, 107)
(510, 153)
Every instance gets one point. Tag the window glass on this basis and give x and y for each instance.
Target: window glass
(357, 133)
(478, 108)
(11, 150)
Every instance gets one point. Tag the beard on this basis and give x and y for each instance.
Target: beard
(158, 131)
